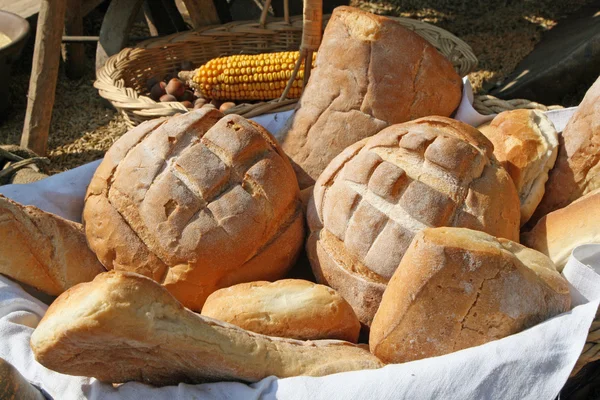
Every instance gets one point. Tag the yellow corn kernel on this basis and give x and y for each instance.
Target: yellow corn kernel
(249, 77)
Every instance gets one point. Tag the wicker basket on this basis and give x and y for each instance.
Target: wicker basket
(122, 81)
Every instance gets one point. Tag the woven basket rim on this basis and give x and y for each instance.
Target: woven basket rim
(111, 86)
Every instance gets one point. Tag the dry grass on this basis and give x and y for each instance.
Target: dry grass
(501, 34)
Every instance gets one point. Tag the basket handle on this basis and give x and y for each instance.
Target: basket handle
(312, 26)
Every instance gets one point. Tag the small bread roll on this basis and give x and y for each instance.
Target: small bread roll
(558, 233)
(457, 288)
(125, 327)
(43, 250)
(526, 144)
(292, 308)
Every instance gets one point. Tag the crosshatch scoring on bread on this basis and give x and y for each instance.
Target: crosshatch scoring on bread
(378, 193)
(197, 202)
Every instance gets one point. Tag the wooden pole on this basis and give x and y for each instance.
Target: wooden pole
(74, 53)
(202, 12)
(115, 28)
(44, 72)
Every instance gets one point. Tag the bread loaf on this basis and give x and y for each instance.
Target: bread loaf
(292, 308)
(558, 233)
(577, 169)
(370, 73)
(378, 193)
(124, 327)
(457, 288)
(43, 250)
(197, 202)
(526, 144)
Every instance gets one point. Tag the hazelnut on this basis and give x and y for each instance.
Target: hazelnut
(158, 90)
(167, 97)
(175, 88)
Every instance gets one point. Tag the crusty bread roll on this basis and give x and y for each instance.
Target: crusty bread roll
(457, 288)
(577, 169)
(43, 250)
(372, 199)
(526, 144)
(370, 73)
(558, 233)
(197, 202)
(124, 327)
(291, 308)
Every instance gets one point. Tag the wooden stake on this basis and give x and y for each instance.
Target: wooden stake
(74, 53)
(44, 72)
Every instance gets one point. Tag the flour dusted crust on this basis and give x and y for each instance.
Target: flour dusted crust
(197, 202)
(577, 169)
(378, 193)
(526, 144)
(457, 288)
(43, 250)
(125, 327)
(292, 308)
(370, 73)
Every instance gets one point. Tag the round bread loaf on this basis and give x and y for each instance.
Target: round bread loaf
(558, 233)
(372, 199)
(291, 308)
(457, 288)
(526, 144)
(197, 202)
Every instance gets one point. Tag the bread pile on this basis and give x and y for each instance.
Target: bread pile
(413, 229)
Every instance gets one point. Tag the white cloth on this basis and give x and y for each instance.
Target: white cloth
(533, 364)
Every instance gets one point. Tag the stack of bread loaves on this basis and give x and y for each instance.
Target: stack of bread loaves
(414, 228)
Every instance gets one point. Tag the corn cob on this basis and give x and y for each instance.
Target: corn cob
(249, 77)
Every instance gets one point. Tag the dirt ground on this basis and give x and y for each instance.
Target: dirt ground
(501, 34)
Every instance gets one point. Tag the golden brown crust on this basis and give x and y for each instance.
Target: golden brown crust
(577, 169)
(457, 288)
(196, 202)
(526, 144)
(558, 233)
(370, 73)
(371, 200)
(43, 250)
(123, 327)
(291, 308)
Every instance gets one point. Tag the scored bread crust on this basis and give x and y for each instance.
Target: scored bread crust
(43, 250)
(196, 202)
(457, 288)
(577, 169)
(371, 200)
(291, 308)
(558, 233)
(526, 144)
(370, 72)
(124, 327)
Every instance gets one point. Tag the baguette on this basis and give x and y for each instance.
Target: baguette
(125, 327)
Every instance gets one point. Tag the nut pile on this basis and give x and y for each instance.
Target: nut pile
(176, 90)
